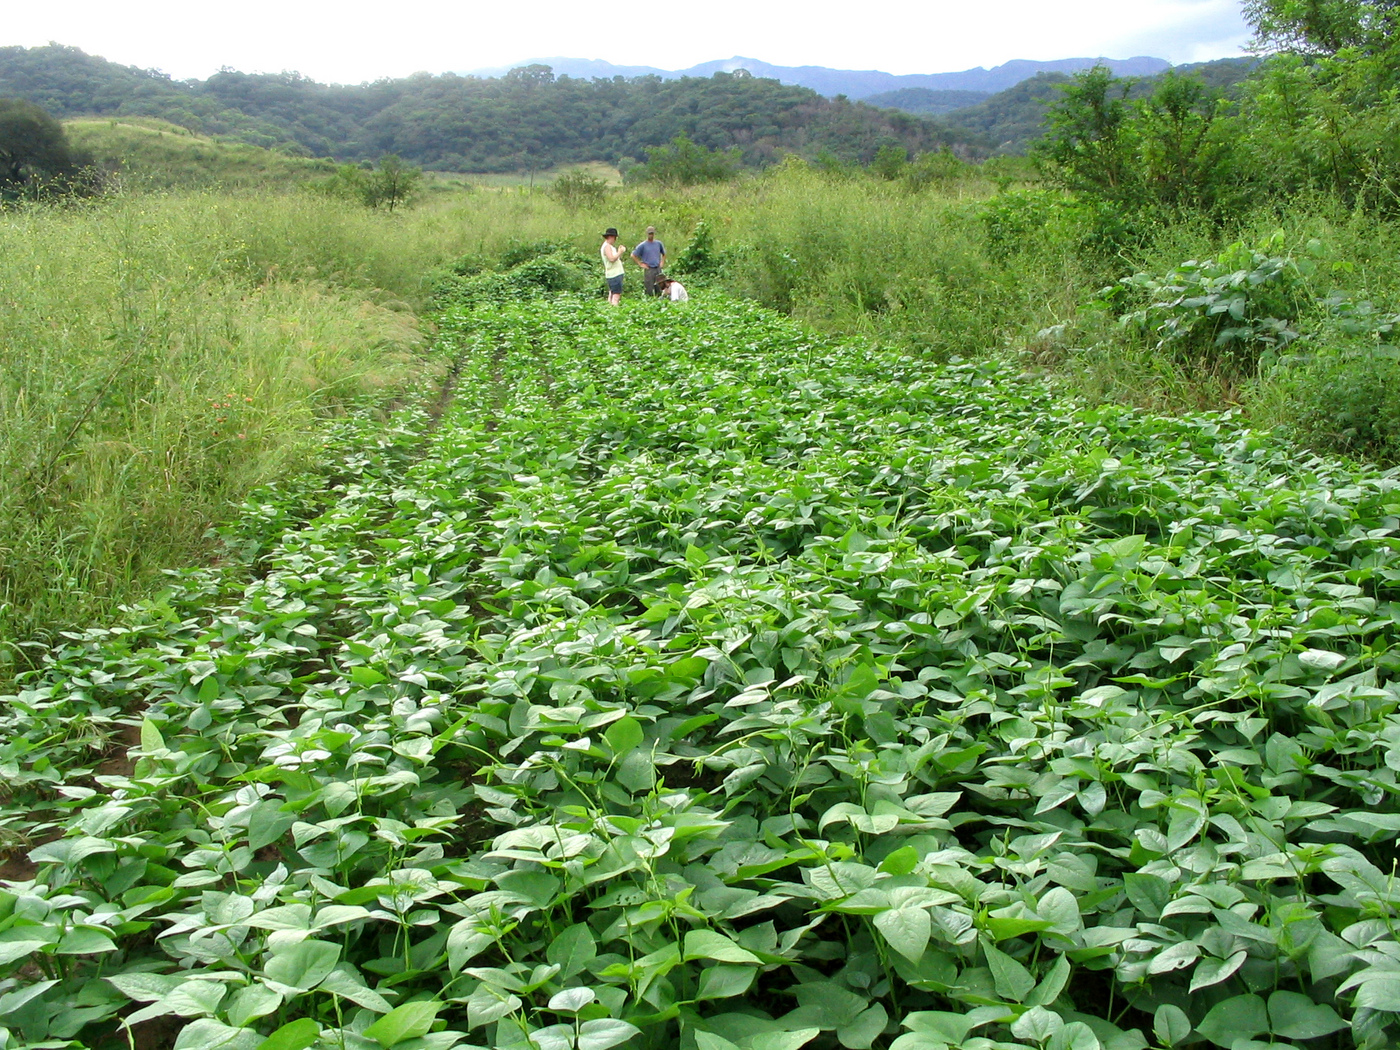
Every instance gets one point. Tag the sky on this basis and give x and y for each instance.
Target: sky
(352, 41)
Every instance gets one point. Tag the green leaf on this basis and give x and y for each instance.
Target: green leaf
(605, 1032)
(409, 1021)
(250, 1003)
(294, 1035)
(151, 740)
(623, 735)
(901, 862)
(1012, 980)
(861, 1033)
(1295, 1016)
(1241, 1017)
(1213, 971)
(84, 940)
(1170, 1024)
(1037, 1025)
(572, 950)
(208, 1034)
(267, 823)
(724, 980)
(304, 965)
(707, 944)
(907, 930)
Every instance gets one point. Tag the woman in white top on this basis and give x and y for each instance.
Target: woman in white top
(673, 290)
(613, 254)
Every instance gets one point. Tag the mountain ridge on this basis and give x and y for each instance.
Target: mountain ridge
(855, 84)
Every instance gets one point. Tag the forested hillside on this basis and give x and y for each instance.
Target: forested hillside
(526, 119)
(1010, 120)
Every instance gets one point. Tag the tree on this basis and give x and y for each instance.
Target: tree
(393, 184)
(1090, 144)
(685, 163)
(1324, 27)
(34, 151)
(578, 189)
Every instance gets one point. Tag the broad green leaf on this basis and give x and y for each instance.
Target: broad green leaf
(623, 735)
(151, 740)
(724, 980)
(1012, 980)
(901, 862)
(1241, 1017)
(1213, 971)
(304, 965)
(1170, 1025)
(572, 950)
(208, 1034)
(868, 1026)
(571, 1000)
(1037, 1025)
(267, 823)
(84, 940)
(409, 1021)
(1295, 1016)
(251, 1002)
(604, 1033)
(707, 944)
(294, 1035)
(907, 930)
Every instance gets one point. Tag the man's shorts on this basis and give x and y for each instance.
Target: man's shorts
(615, 285)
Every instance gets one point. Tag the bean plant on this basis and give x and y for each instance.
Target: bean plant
(696, 681)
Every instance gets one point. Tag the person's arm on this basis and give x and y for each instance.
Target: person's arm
(637, 258)
(663, 259)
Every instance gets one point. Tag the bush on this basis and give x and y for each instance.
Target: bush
(1228, 312)
(579, 189)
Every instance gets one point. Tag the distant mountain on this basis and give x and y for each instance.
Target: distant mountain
(854, 84)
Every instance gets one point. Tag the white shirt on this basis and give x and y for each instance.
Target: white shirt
(678, 293)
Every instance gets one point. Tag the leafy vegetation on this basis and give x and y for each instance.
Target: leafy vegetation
(702, 681)
(36, 158)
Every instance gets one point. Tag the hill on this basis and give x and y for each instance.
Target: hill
(926, 101)
(1010, 120)
(163, 155)
(528, 119)
(855, 84)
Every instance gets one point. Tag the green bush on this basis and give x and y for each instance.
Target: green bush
(1227, 312)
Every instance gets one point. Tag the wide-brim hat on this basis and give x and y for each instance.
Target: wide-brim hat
(611, 231)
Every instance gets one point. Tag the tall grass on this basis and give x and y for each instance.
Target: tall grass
(162, 356)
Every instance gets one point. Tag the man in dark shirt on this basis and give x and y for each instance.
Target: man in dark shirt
(651, 257)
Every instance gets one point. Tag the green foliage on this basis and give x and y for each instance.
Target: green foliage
(697, 678)
(891, 161)
(1226, 312)
(1325, 27)
(389, 185)
(35, 156)
(685, 163)
(579, 189)
(700, 256)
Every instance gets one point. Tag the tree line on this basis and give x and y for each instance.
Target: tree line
(527, 119)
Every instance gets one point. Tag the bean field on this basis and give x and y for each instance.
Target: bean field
(688, 679)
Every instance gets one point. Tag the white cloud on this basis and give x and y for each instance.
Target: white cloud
(355, 41)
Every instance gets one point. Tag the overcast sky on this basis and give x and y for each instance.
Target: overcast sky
(353, 41)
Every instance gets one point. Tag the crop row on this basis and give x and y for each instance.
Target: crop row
(702, 683)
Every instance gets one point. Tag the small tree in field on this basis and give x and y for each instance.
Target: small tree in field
(393, 184)
(579, 189)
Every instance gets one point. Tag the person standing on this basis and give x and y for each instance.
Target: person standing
(651, 257)
(612, 253)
